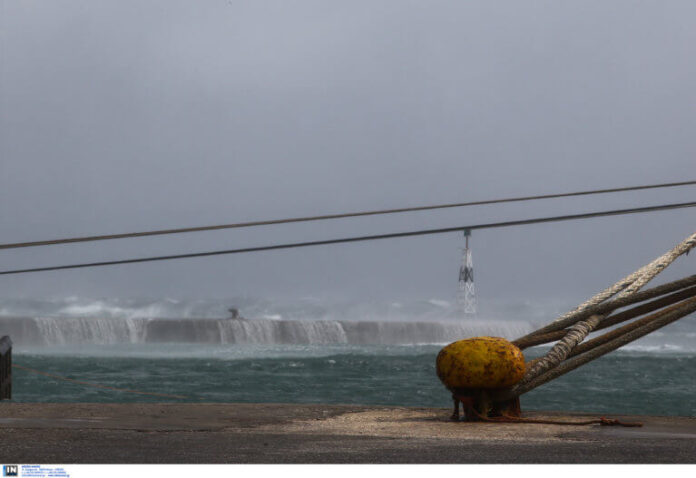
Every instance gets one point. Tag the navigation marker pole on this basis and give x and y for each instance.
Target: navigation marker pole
(466, 295)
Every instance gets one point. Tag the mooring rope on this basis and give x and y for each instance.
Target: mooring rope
(559, 352)
(612, 320)
(470, 410)
(96, 385)
(612, 305)
(596, 421)
(600, 348)
(618, 332)
(627, 286)
(659, 264)
(542, 369)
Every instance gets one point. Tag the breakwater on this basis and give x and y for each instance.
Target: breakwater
(88, 330)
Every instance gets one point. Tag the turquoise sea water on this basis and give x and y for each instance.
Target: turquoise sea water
(661, 383)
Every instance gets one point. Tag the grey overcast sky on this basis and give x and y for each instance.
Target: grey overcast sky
(126, 115)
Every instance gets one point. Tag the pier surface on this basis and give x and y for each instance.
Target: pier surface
(273, 433)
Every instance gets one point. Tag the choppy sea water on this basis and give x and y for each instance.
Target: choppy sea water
(635, 382)
(313, 352)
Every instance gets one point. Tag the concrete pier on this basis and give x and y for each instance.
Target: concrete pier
(274, 433)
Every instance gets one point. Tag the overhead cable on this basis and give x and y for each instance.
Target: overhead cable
(422, 232)
(333, 216)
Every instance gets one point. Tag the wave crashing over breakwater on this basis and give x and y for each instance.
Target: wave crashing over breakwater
(86, 330)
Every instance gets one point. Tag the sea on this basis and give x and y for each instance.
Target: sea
(313, 351)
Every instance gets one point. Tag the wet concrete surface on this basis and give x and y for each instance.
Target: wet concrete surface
(283, 433)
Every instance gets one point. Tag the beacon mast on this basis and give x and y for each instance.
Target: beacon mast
(466, 294)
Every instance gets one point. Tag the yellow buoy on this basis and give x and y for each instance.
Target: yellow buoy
(480, 362)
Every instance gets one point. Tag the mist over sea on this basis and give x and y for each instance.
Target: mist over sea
(305, 308)
(315, 351)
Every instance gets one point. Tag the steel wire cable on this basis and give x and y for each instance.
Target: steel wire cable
(335, 216)
(421, 232)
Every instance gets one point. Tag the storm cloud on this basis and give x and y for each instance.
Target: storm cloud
(121, 115)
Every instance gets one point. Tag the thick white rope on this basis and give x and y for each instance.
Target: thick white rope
(577, 333)
(661, 319)
(627, 286)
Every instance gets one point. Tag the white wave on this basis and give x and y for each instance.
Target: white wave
(440, 303)
(272, 317)
(308, 308)
(664, 348)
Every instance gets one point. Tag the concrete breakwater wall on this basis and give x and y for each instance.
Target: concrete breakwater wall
(77, 330)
